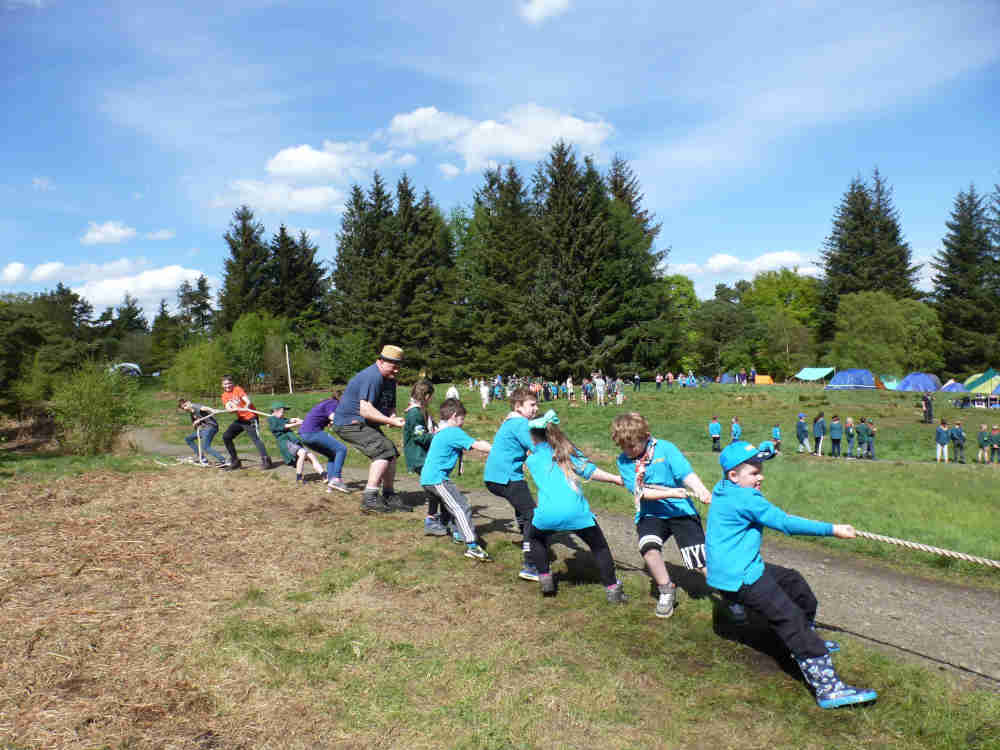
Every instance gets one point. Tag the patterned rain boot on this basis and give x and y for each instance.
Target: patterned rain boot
(829, 689)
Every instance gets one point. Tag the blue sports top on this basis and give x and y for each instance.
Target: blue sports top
(736, 519)
(836, 430)
(736, 431)
(776, 433)
(510, 447)
(668, 468)
(443, 454)
(801, 430)
(714, 429)
(365, 386)
(561, 506)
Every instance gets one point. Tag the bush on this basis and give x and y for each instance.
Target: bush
(92, 407)
(198, 369)
(344, 356)
(256, 346)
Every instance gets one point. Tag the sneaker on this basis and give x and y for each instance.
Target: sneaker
(477, 553)
(371, 503)
(395, 502)
(433, 527)
(616, 593)
(528, 573)
(337, 484)
(547, 584)
(666, 601)
(233, 465)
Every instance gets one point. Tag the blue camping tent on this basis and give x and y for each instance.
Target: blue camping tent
(920, 381)
(727, 378)
(852, 380)
(954, 387)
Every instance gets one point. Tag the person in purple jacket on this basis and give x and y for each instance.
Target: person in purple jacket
(314, 435)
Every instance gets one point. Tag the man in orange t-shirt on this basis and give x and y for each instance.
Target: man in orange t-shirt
(235, 399)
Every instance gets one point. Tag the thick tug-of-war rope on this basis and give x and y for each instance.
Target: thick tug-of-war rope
(928, 548)
(912, 545)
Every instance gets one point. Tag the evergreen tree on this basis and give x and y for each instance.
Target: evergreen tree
(495, 264)
(865, 250)
(245, 278)
(194, 304)
(166, 338)
(623, 185)
(129, 317)
(963, 294)
(364, 272)
(297, 289)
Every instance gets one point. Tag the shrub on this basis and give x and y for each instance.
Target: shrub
(92, 407)
(345, 355)
(198, 368)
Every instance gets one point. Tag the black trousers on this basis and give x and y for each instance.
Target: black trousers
(592, 536)
(785, 599)
(252, 428)
(518, 495)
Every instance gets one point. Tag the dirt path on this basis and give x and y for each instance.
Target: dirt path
(941, 624)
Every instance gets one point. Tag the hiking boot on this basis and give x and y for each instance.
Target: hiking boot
(433, 527)
(528, 573)
(337, 484)
(477, 553)
(667, 600)
(233, 465)
(548, 584)
(371, 502)
(616, 593)
(829, 689)
(395, 502)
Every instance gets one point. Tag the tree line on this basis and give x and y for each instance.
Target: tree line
(554, 274)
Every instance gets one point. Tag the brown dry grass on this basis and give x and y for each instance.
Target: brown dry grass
(194, 609)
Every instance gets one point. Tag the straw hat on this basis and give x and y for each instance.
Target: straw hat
(391, 354)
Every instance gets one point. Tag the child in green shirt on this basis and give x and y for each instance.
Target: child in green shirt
(288, 441)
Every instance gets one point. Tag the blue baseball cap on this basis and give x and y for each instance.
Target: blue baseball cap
(741, 452)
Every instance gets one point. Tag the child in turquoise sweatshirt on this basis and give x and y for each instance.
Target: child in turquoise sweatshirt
(736, 519)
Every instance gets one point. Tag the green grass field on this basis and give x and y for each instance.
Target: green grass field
(903, 494)
(148, 607)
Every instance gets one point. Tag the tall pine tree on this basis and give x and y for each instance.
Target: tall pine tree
(865, 251)
(245, 271)
(963, 295)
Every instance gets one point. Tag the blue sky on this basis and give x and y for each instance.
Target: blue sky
(132, 130)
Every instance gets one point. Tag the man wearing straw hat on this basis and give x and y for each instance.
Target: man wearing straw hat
(368, 403)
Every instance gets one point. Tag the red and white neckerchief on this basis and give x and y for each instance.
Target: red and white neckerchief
(641, 464)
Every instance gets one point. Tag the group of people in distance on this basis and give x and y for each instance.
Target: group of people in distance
(988, 442)
(863, 433)
(653, 470)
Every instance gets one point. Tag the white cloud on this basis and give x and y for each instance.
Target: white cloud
(42, 184)
(523, 132)
(47, 271)
(536, 11)
(108, 233)
(449, 170)
(59, 271)
(723, 268)
(12, 272)
(161, 234)
(336, 161)
(149, 287)
(281, 197)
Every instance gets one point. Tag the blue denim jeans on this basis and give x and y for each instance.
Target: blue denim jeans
(326, 445)
(207, 433)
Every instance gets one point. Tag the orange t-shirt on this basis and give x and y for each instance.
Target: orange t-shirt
(237, 394)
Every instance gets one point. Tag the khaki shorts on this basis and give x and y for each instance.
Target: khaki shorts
(369, 440)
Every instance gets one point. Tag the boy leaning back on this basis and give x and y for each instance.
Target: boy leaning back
(659, 477)
(736, 519)
(446, 447)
